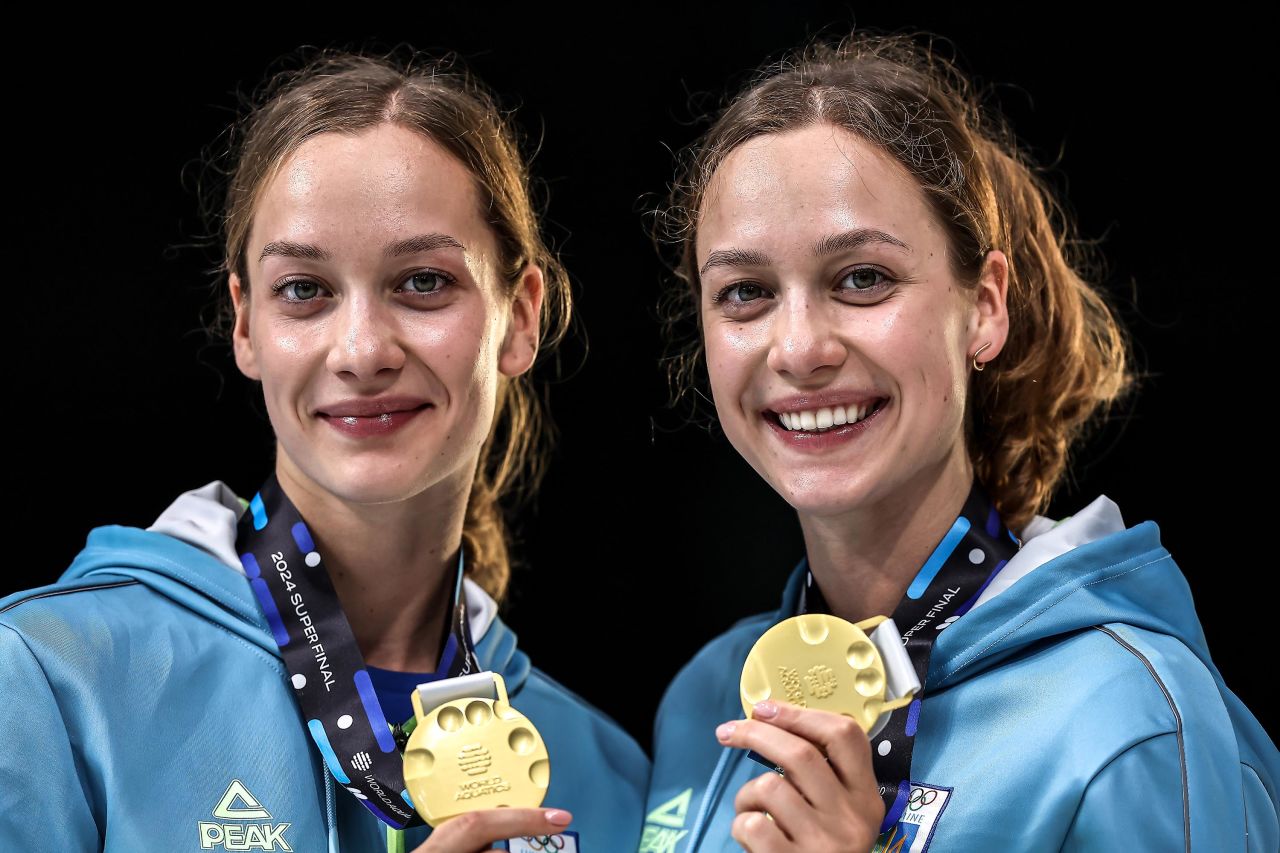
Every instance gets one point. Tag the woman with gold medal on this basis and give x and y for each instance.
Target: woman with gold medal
(318, 664)
(896, 339)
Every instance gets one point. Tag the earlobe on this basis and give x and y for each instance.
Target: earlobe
(991, 313)
(241, 342)
(520, 346)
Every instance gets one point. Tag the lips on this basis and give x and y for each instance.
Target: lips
(377, 423)
(818, 419)
(370, 407)
(827, 438)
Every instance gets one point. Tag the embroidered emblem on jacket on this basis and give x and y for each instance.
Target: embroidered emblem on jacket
(238, 805)
(664, 826)
(914, 830)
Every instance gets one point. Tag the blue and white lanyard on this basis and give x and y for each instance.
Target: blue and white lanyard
(326, 669)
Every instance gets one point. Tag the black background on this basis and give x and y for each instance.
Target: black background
(648, 538)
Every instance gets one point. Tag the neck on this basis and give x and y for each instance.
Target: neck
(864, 560)
(393, 565)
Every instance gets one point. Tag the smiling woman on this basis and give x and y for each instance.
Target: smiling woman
(387, 284)
(836, 317)
(899, 341)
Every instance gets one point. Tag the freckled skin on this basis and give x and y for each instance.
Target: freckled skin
(364, 333)
(807, 331)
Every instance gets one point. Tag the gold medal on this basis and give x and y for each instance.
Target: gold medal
(823, 662)
(474, 753)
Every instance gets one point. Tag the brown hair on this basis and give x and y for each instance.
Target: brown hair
(337, 91)
(1066, 355)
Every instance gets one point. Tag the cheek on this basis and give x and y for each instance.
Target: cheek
(461, 350)
(731, 352)
(281, 355)
(285, 342)
(940, 382)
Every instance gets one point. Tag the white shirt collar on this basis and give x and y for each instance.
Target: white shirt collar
(1043, 539)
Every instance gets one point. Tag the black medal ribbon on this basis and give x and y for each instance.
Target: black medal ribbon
(969, 556)
(327, 671)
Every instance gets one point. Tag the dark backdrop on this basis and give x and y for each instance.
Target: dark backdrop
(647, 539)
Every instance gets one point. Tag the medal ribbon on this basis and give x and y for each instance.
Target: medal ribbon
(334, 691)
(972, 552)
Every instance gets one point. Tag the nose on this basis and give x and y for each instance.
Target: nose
(805, 337)
(366, 337)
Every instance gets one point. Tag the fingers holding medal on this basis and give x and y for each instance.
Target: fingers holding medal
(826, 797)
(812, 687)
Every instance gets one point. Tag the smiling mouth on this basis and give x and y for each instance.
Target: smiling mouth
(823, 419)
(382, 417)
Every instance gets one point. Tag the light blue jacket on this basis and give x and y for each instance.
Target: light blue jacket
(144, 706)
(1075, 707)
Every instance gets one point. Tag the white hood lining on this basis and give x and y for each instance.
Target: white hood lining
(1043, 539)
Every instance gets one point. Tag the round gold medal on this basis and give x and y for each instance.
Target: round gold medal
(471, 754)
(819, 661)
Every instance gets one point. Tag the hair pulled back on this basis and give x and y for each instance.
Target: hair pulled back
(1066, 355)
(340, 91)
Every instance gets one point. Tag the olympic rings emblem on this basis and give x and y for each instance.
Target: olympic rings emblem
(546, 842)
(920, 798)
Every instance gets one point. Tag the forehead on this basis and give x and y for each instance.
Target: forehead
(814, 180)
(384, 181)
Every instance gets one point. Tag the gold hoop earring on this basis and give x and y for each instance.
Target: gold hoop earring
(977, 366)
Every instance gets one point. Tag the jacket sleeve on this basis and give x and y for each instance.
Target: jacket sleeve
(1139, 802)
(44, 804)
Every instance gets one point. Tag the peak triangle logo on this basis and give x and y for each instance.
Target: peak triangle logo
(248, 809)
(664, 826)
(239, 805)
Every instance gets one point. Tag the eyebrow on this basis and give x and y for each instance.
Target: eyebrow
(829, 245)
(398, 248)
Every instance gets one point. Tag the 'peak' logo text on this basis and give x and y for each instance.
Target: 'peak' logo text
(238, 805)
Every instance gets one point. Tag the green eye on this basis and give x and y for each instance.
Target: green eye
(302, 290)
(865, 279)
(427, 278)
(747, 292)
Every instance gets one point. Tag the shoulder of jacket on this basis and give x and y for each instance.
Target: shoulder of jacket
(1175, 676)
(29, 607)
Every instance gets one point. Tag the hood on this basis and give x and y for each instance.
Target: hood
(1084, 570)
(188, 555)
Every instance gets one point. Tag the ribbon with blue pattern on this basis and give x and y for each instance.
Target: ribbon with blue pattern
(327, 671)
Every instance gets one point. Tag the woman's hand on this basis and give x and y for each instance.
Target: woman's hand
(474, 831)
(828, 800)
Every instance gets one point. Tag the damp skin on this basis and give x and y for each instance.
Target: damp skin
(344, 320)
(803, 302)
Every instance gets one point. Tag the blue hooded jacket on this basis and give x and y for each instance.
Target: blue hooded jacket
(146, 707)
(1074, 707)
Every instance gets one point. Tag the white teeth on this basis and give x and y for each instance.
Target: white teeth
(817, 420)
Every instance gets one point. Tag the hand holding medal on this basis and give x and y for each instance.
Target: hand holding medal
(472, 752)
(825, 798)
(476, 768)
(813, 687)
(481, 830)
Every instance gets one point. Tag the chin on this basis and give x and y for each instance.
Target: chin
(824, 495)
(818, 506)
(362, 482)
